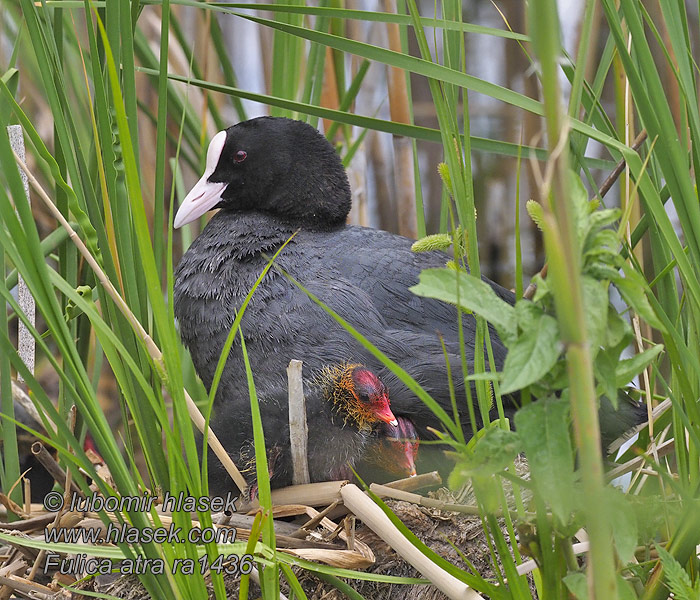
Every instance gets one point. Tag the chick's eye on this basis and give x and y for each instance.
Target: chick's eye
(240, 156)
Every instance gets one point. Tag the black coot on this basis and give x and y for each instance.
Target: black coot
(272, 177)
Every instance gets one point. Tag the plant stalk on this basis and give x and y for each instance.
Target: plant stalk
(564, 268)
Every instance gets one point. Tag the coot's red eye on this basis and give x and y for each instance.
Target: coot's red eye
(240, 156)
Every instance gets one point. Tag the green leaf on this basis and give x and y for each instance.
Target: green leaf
(618, 328)
(623, 522)
(603, 218)
(467, 292)
(580, 206)
(493, 451)
(595, 306)
(628, 368)
(604, 368)
(632, 288)
(577, 584)
(543, 428)
(11, 79)
(676, 577)
(532, 355)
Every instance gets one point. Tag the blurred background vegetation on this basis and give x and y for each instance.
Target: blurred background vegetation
(117, 122)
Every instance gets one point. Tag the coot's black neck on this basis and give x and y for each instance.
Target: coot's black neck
(249, 233)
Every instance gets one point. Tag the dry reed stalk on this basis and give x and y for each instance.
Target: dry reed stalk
(26, 346)
(303, 531)
(92, 521)
(658, 410)
(29, 588)
(32, 524)
(384, 491)
(298, 428)
(62, 519)
(288, 510)
(416, 482)
(360, 557)
(399, 109)
(311, 494)
(342, 559)
(16, 567)
(329, 87)
(631, 465)
(153, 350)
(373, 516)
(53, 468)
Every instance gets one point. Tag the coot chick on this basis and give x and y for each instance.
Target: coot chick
(391, 454)
(344, 402)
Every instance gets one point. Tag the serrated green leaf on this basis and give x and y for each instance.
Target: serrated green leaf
(536, 212)
(532, 355)
(676, 576)
(527, 314)
(541, 288)
(604, 368)
(581, 207)
(543, 427)
(601, 242)
(469, 293)
(603, 218)
(618, 328)
(623, 522)
(595, 306)
(492, 452)
(632, 288)
(602, 271)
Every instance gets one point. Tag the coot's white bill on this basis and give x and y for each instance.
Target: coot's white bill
(205, 195)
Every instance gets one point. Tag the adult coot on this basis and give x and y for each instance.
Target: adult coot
(271, 178)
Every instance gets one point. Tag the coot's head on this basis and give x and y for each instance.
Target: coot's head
(272, 165)
(357, 394)
(396, 453)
